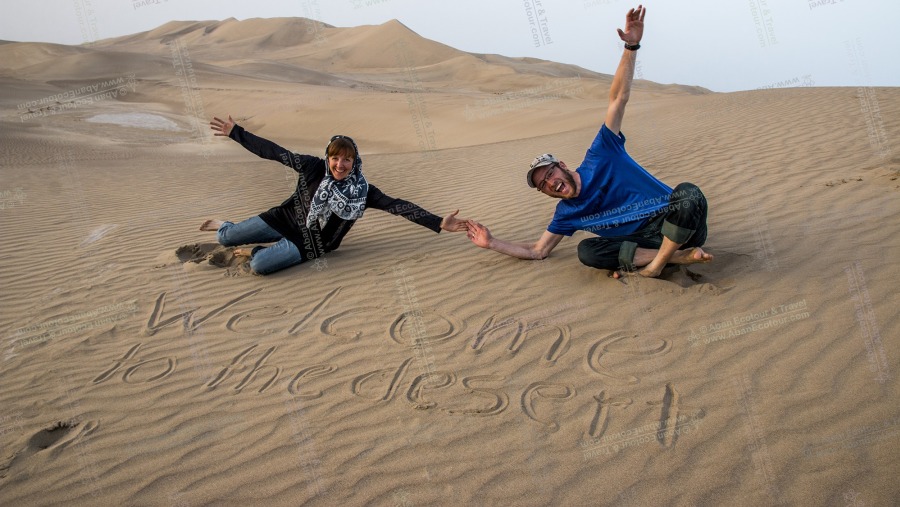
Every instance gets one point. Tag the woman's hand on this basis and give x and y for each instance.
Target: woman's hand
(452, 224)
(221, 127)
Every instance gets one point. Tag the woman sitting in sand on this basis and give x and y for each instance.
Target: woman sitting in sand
(331, 195)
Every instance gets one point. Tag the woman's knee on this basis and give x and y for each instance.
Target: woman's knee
(281, 255)
(260, 267)
(222, 235)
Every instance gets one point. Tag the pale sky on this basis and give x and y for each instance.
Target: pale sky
(723, 45)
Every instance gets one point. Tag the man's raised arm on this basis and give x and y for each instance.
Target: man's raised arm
(481, 236)
(620, 90)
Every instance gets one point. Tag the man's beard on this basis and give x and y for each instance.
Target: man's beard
(570, 182)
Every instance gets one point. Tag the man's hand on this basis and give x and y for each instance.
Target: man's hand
(222, 128)
(452, 224)
(634, 26)
(479, 234)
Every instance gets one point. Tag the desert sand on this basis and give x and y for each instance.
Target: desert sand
(143, 365)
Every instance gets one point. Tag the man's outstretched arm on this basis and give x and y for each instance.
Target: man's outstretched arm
(620, 91)
(481, 236)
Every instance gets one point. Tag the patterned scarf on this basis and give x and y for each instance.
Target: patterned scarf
(346, 198)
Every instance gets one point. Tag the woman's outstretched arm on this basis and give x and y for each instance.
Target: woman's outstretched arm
(257, 145)
(414, 213)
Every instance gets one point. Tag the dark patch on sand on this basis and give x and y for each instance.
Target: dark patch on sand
(215, 255)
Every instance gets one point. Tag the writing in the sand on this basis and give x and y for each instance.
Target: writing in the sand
(255, 367)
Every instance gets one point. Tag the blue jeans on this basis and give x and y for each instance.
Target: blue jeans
(264, 260)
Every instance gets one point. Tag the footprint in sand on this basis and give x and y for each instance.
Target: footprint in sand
(215, 255)
(221, 258)
(45, 438)
(56, 436)
(196, 253)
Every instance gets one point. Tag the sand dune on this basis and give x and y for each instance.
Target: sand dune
(19, 55)
(388, 62)
(143, 365)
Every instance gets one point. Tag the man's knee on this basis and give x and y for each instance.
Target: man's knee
(685, 223)
(585, 253)
(686, 186)
(687, 193)
(591, 254)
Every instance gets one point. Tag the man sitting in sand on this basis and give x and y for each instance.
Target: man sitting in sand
(639, 221)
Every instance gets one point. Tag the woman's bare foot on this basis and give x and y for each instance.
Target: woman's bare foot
(690, 256)
(211, 225)
(242, 252)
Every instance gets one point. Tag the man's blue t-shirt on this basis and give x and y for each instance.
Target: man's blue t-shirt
(617, 195)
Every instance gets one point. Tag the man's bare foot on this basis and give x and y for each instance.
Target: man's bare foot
(242, 252)
(690, 256)
(650, 271)
(211, 225)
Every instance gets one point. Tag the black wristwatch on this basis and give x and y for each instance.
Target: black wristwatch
(632, 48)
